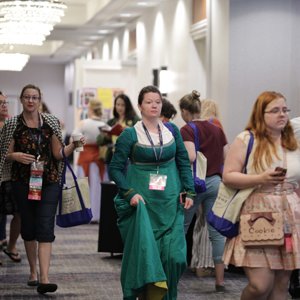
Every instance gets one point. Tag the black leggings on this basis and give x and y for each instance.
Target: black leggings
(37, 216)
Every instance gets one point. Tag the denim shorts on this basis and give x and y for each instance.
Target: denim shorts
(37, 216)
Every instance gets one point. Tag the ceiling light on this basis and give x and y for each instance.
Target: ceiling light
(28, 22)
(13, 61)
(104, 31)
(125, 15)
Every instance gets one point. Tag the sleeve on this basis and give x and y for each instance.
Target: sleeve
(187, 134)
(223, 138)
(118, 163)
(296, 127)
(183, 164)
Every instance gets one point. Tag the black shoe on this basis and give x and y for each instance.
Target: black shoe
(220, 289)
(32, 282)
(44, 288)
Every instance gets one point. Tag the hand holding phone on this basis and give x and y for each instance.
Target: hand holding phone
(183, 197)
(282, 170)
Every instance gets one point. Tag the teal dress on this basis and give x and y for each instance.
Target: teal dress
(153, 233)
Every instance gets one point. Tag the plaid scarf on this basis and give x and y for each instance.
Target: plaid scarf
(6, 136)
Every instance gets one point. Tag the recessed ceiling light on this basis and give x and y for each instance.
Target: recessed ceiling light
(94, 37)
(125, 15)
(103, 31)
(147, 3)
(142, 3)
(115, 24)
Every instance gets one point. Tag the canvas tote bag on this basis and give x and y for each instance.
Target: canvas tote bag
(74, 207)
(225, 213)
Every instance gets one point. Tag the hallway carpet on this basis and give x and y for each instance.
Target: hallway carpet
(83, 273)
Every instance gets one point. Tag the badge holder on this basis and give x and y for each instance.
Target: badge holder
(157, 182)
(36, 180)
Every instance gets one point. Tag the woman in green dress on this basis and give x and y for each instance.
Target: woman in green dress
(150, 202)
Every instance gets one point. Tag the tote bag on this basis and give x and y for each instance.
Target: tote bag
(74, 207)
(199, 164)
(224, 215)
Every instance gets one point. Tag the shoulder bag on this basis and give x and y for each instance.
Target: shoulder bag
(225, 213)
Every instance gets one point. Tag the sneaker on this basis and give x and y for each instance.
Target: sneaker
(220, 289)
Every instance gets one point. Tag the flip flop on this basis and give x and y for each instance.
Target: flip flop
(13, 256)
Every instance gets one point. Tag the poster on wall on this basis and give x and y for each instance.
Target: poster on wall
(84, 96)
(105, 95)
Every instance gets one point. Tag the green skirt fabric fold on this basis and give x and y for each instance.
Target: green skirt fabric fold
(150, 256)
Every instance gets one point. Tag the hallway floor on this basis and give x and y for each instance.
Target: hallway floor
(83, 273)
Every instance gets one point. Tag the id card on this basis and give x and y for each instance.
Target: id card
(157, 182)
(36, 180)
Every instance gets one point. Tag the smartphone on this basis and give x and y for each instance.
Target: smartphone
(282, 170)
(183, 197)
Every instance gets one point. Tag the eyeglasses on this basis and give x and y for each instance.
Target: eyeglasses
(277, 110)
(3, 103)
(33, 98)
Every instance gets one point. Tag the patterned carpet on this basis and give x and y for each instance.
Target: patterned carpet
(83, 273)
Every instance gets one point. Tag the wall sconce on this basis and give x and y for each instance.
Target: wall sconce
(161, 79)
(164, 80)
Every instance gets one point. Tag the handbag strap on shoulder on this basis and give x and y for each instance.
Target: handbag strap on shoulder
(197, 144)
(249, 149)
(196, 135)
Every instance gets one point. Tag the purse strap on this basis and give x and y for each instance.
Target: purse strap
(196, 135)
(196, 143)
(249, 149)
(63, 181)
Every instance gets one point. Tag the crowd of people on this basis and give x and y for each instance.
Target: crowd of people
(150, 159)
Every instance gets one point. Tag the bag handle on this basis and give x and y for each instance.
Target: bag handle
(266, 215)
(63, 181)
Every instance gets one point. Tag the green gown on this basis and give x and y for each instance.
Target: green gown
(153, 233)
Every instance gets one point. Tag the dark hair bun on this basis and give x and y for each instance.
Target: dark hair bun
(195, 94)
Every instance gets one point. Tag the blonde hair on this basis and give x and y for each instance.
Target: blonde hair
(209, 108)
(96, 106)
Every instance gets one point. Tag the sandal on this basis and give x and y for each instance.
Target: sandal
(13, 256)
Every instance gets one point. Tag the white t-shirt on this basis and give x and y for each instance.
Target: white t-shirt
(296, 126)
(90, 129)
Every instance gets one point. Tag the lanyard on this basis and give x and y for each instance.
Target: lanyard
(152, 144)
(36, 138)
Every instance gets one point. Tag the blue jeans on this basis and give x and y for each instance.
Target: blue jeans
(208, 199)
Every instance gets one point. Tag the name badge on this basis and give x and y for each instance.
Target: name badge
(36, 180)
(157, 182)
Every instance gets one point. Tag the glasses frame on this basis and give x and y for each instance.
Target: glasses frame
(3, 103)
(27, 98)
(277, 111)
